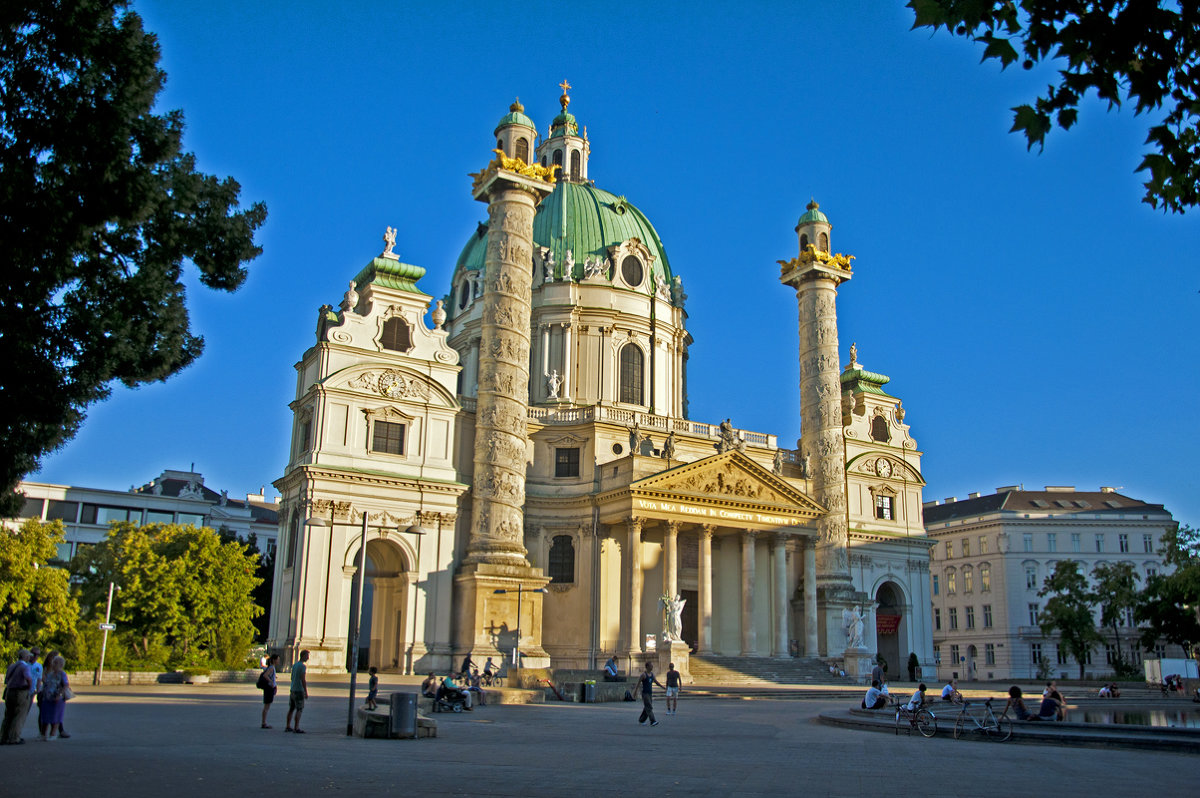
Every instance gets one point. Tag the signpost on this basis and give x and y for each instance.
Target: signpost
(107, 626)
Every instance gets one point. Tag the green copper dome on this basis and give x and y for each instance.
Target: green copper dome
(812, 214)
(564, 124)
(585, 220)
(515, 116)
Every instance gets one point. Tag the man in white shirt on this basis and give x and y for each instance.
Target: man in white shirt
(950, 692)
(918, 698)
(875, 699)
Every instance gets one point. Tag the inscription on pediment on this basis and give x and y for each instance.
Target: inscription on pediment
(727, 481)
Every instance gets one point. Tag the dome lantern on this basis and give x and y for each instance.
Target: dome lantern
(564, 147)
(813, 229)
(515, 133)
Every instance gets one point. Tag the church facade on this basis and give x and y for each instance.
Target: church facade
(527, 480)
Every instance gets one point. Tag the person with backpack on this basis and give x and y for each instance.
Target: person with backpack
(266, 683)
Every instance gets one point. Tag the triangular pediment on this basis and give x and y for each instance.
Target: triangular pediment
(728, 477)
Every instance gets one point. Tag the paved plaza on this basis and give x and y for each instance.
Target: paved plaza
(173, 741)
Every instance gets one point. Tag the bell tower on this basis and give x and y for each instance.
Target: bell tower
(564, 147)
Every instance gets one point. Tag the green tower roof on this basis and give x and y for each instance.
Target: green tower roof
(812, 214)
(515, 116)
(858, 380)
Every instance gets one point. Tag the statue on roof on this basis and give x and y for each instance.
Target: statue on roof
(389, 238)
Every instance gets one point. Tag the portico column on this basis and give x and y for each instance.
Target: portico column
(749, 639)
(671, 566)
(810, 599)
(632, 610)
(704, 611)
(779, 565)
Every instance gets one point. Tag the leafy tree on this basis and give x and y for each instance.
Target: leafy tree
(35, 602)
(1170, 604)
(1069, 611)
(180, 585)
(1142, 51)
(100, 209)
(1116, 593)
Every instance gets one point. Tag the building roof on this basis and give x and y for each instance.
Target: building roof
(812, 214)
(515, 117)
(1043, 502)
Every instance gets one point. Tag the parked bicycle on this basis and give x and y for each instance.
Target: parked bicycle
(983, 721)
(920, 719)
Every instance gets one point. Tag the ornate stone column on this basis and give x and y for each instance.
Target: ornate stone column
(749, 637)
(780, 592)
(704, 590)
(631, 609)
(811, 638)
(671, 565)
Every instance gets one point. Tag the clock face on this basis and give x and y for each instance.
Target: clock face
(391, 384)
(883, 467)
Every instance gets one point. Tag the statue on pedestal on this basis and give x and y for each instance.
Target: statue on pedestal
(852, 623)
(674, 611)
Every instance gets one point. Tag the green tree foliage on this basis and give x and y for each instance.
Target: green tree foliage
(180, 586)
(1170, 603)
(1115, 593)
(36, 607)
(1068, 611)
(100, 209)
(1142, 51)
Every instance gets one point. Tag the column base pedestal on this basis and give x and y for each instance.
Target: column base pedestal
(858, 663)
(486, 622)
(675, 651)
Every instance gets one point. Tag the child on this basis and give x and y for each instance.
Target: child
(372, 688)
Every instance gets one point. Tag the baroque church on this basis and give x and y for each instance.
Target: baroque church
(527, 481)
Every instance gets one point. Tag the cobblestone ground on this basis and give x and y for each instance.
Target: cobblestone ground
(178, 741)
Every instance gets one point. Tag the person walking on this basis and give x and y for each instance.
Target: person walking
(270, 686)
(52, 699)
(674, 683)
(18, 683)
(298, 693)
(646, 684)
(372, 688)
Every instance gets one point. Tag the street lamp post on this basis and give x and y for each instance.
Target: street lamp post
(107, 627)
(516, 657)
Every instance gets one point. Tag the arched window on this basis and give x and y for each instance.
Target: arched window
(631, 374)
(951, 584)
(558, 158)
(523, 149)
(803, 241)
(396, 335)
(292, 538)
(879, 429)
(562, 560)
(464, 294)
(499, 144)
(576, 165)
(631, 271)
(985, 577)
(968, 580)
(824, 242)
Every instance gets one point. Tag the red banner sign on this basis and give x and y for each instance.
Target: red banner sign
(886, 624)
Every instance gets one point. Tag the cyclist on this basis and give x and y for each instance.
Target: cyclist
(489, 670)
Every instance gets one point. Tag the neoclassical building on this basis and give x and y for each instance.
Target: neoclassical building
(530, 475)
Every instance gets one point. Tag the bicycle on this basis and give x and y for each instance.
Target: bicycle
(986, 723)
(491, 679)
(920, 719)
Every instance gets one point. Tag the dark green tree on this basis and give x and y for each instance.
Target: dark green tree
(1169, 608)
(1068, 611)
(1115, 592)
(36, 607)
(1141, 51)
(100, 210)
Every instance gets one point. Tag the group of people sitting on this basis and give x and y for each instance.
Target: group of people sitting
(1053, 706)
(1110, 690)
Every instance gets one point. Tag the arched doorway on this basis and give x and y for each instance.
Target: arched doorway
(386, 622)
(889, 615)
(972, 655)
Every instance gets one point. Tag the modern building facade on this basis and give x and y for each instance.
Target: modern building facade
(524, 471)
(992, 554)
(173, 497)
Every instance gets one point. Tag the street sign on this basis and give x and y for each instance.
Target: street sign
(108, 627)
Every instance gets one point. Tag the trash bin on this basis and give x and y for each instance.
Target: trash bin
(402, 718)
(589, 692)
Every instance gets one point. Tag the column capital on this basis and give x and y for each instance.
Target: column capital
(706, 531)
(634, 524)
(673, 527)
(749, 534)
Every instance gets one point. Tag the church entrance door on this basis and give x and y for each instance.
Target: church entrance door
(689, 619)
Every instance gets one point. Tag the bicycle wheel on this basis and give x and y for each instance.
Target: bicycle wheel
(926, 723)
(1002, 731)
(497, 681)
(960, 727)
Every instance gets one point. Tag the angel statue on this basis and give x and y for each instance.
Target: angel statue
(852, 622)
(674, 612)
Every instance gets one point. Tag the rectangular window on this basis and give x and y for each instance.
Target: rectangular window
(100, 514)
(62, 511)
(1151, 570)
(968, 580)
(1110, 653)
(937, 655)
(953, 619)
(1075, 542)
(1031, 578)
(966, 547)
(1033, 615)
(983, 549)
(31, 508)
(190, 519)
(306, 435)
(1027, 541)
(566, 462)
(937, 619)
(883, 508)
(1123, 543)
(1035, 653)
(62, 552)
(1052, 541)
(954, 657)
(1148, 544)
(985, 578)
(970, 617)
(1099, 542)
(949, 549)
(388, 438)
(159, 516)
(1129, 618)
(935, 584)
(951, 589)
(1060, 656)
(987, 616)
(989, 654)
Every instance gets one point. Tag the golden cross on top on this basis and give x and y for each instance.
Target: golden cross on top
(564, 86)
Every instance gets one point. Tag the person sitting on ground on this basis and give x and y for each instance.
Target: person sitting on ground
(429, 687)
(1017, 704)
(1114, 690)
(1105, 691)
(610, 671)
(1052, 691)
(1051, 708)
(950, 692)
(918, 698)
(875, 699)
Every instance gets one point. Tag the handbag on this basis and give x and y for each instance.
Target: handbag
(67, 693)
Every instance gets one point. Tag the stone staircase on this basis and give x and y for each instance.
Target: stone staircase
(764, 672)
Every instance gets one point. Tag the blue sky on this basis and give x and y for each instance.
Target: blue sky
(1035, 317)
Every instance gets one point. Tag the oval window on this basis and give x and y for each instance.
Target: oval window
(631, 271)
